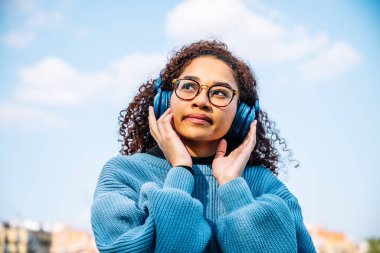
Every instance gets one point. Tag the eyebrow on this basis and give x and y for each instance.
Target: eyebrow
(195, 78)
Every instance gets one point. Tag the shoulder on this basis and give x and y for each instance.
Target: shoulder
(262, 181)
(125, 173)
(139, 165)
(123, 166)
(122, 162)
(128, 161)
(260, 175)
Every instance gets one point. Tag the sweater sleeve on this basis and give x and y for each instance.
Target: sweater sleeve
(159, 219)
(263, 224)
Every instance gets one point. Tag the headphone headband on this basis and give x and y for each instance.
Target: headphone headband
(157, 85)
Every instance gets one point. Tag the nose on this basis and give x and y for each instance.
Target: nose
(202, 101)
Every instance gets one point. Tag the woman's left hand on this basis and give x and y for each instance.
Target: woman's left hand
(226, 168)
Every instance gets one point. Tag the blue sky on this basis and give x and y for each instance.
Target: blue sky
(69, 67)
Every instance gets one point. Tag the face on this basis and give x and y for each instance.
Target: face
(198, 119)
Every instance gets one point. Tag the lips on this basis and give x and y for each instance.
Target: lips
(197, 116)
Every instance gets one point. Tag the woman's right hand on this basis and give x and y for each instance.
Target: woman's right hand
(167, 139)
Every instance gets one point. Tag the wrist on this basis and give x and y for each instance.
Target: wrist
(222, 181)
(179, 164)
(188, 168)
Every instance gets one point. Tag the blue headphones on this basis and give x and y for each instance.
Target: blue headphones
(239, 127)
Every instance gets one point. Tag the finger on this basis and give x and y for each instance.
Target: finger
(166, 127)
(162, 119)
(221, 149)
(164, 114)
(152, 118)
(168, 116)
(251, 136)
(157, 128)
(252, 132)
(244, 151)
(249, 143)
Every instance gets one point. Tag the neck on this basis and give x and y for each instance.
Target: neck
(200, 149)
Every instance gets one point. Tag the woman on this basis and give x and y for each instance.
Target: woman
(197, 172)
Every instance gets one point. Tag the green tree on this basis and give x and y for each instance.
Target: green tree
(373, 245)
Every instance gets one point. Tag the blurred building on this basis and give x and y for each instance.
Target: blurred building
(13, 239)
(331, 242)
(19, 237)
(65, 239)
(30, 237)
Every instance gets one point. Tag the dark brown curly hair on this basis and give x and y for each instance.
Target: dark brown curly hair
(133, 121)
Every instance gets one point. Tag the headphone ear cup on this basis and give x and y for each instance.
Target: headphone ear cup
(241, 123)
(232, 133)
(157, 104)
(165, 101)
(157, 98)
(161, 101)
(247, 123)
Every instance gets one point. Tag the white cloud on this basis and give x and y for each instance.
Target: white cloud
(257, 37)
(253, 35)
(131, 71)
(43, 19)
(330, 63)
(52, 81)
(18, 39)
(34, 20)
(26, 117)
(25, 5)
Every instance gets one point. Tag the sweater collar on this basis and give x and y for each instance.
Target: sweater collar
(157, 152)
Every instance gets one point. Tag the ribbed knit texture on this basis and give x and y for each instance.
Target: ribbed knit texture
(141, 204)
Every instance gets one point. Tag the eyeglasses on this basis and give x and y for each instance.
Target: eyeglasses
(219, 95)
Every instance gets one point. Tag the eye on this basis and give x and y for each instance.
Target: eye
(220, 93)
(187, 85)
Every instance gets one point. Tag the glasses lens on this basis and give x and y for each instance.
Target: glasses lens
(186, 89)
(220, 95)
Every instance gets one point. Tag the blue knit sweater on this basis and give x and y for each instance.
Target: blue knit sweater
(141, 204)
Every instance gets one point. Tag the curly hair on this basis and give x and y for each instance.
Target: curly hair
(133, 121)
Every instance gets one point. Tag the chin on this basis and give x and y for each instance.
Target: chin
(198, 138)
(201, 135)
